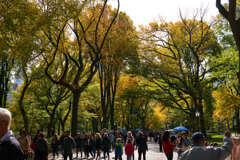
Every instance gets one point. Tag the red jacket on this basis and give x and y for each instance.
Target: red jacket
(129, 149)
(167, 147)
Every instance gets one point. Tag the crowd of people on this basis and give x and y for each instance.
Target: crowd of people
(86, 145)
(96, 145)
(196, 148)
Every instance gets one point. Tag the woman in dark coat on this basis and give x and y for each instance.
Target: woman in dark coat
(41, 148)
(142, 146)
(106, 145)
(98, 145)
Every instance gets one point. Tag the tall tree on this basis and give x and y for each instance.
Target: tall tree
(17, 40)
(179, 63)
(121, 43)
(74, 46)
(232, 16)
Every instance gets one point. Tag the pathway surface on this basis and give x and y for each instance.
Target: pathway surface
(152, 154)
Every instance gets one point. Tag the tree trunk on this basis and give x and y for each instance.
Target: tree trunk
(95, 125)
(50, 126)
(76, 97)
(202, 121)
(237, 120)
(4, 79)
(21, 107)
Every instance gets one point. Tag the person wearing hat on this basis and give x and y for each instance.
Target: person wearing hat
(200, 152)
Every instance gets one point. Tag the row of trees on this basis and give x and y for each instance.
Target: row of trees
(84, 65)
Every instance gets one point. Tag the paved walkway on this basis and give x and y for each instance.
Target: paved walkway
(152, 154)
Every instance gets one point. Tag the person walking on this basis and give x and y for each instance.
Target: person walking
(132, 140)
(118, 149)
(141, 145)
(25, 143)
(61, 142)
(10, 148)
(68, 145)
(54, 145)
(41, 148)
(129, 149)
(79, 143)
(98, 145)
(111, 137)
(106, 145)
(184, 143)
(160, 142)
(199, 151)
(167, 145)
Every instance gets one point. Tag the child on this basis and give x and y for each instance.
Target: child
(118, 149)
(129, 149)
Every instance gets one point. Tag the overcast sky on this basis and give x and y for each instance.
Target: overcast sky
(144, 11)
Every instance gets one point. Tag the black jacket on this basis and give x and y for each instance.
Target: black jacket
(10, 149)
(141, 143)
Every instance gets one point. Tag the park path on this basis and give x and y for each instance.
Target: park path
(152, 154)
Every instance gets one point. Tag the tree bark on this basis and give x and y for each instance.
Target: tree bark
(76, 97)
(21, 107)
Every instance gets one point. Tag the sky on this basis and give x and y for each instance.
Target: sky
(144, 11)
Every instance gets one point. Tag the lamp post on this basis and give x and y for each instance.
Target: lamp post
(197, 114)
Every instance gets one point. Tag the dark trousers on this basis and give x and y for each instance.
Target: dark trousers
(40, 156)
(66, 155)
(79, 149)
(129, 157)
(170, 156)
(140, 153)
(55, 151)
(118, 157)
(160, 147)
(106, 152)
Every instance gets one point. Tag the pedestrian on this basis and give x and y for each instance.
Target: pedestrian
(200, 151)
(111, 137)
(34, 141)
(141, 145)
(159, 139)
(98, 145)
(68, 143)
(41, 148)
(25, 143)
(106, 145)
(168, 146)
(118, 149)
(54, 145)
(88, 145)
(132, 140)
(129, 149)
(61, 142)
(10, 148)
(79, 143)
(184, 143)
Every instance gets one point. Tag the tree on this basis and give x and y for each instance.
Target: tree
(122, 42)
(50, 96)
(77, 59)
(178, 64)
(17, 39)
(229, 56)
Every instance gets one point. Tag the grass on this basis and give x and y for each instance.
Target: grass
(215, 138)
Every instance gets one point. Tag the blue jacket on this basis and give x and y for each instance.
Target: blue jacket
(118, 149)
